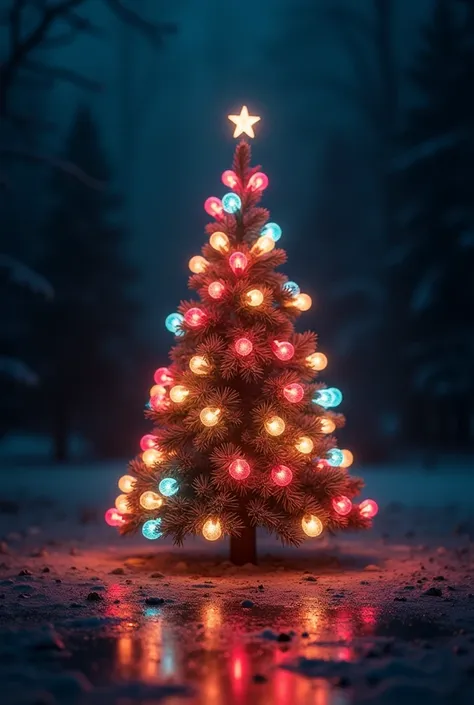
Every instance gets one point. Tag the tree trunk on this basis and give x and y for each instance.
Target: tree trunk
(243, 548)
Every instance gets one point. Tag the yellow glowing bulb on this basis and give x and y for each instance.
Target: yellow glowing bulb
(327, 426)
(210, 415)
(219, 241)
(348, 459)
(178, 393)
(152, 456)
(199, 365)
(126, 483)
(263, 245)
(254, 297)
(317, 361)
(157, 389)
(198, 264)
(312, 525)
(275, 425)
(212, 530)
(150, 500)
(304, 444)
(302, 302)
(121, 504)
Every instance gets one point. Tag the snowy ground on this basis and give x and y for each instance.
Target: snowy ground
(87, 617)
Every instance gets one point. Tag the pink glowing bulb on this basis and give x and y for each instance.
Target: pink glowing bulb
(238, 262)
(243, 346)
(216, 290)
(283, 350)
(293, 392)
(163, 376)
(258, 182)
(342, 505)
(159, 402)
(368, 508)
(229, 178)
(281, 475)
(113, 517)
(147, 441)
(239, 469)
(195, 317)
(213, 206)
(322, 464)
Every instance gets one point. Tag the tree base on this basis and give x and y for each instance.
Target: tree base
(243, 548)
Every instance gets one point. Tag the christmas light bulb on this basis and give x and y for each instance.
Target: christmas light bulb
(147, 441)
(271, 230)
(335, 457)
(263, 245)
(212, 530)
(239, 469)
(317, 361)
(195, 317)
(238, 262)
(275, 425)
(327, 426)
(157, 389)
(293, 392)
(151, 529)
(168, 486)
(216, 290)
(199, 365)
(178, 393)
(231, 203)
(283, 350)
(198, 264)
(258, 181)
(113, 517)
(150, 500)
(312, 525)
(254, 297)
(152, 456)
(213, 206)
(219, 241)
(126, 483)
(304, 444)
(342, 505)
(303, 302)
(163, 376)
(229, 178)
(292, 288)
(368, 508)
(347, 459)
(173, 323)
(159, 402)
(336, 396)
(321, 464)
(121, 504)
(243, 347)
(210, 416)
(282, 475)
(328, 398)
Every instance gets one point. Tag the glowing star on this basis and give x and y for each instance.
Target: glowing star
(243, 122)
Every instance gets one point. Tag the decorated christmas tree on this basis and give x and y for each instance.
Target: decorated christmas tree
(242, 431)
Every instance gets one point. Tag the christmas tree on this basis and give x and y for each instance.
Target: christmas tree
(243, 434)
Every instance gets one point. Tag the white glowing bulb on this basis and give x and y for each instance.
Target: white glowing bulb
(178, 393)
(150, 500)
(219, 241)
(254, 297)
(263, 245)
(212, 529)
(327, 426)
(126, 483)
(121, 503)
(275, 426)
(199, 365)
(210, 416)
(312, 525)
(304, 444)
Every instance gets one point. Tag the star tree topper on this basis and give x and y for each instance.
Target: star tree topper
(243, 122)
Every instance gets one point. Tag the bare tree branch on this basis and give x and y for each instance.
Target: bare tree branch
(56, 163)
(154, 32)
(63, 74)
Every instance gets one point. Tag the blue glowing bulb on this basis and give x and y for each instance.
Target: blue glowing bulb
(151, 529)
(271, 230)
(168, 486)
(173, 322)
(335, 457)
(323, 398)
(292, 287)
(231, 203)
(336, 396)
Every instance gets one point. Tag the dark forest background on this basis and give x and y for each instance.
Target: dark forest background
(113, 132)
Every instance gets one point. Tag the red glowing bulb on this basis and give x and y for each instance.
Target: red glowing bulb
(195, 317)
(159, 402)
(216, 290)
(213, 206)
(283, 350)
(293, 392)
(163, 376)
(239, 469)
(342, 505)
(258, 182)
(229, 178)
(243, 346)
(368, 508)
(147, 441)
(281, 475)
(322, 464)
(238, 262)
(113, 517)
